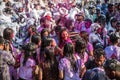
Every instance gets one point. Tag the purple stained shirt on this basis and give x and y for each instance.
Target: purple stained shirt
(61, 45)
(79, 26)
(65, 65)
(40, 29)
(84, 59)
(89, 47)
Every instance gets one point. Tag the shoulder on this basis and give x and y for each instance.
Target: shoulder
(5, 52)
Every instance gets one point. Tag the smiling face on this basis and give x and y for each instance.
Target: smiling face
(65, 35)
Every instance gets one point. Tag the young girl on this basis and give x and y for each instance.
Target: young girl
(64, 38)
(69, 65)
(31, 31)
(89, 46)
(80, 50)
(28, 62)
(49, 67)
(8, 35)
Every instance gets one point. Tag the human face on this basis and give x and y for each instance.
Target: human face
(65, 35)
(99, 61)
(114, 24)
(80, 18)
(46, 33)
(87, 24)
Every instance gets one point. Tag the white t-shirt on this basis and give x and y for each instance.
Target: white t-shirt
(25, 71)
(112, 51)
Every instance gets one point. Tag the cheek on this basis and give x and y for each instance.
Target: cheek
(12, 35)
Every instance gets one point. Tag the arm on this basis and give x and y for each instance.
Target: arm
(61, 70)
(82, 72)
(9, 58)
(40, 74)
(61, 74)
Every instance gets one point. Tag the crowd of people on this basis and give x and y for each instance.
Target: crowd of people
(59, 40)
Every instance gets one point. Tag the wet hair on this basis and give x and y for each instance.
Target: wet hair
(7, 33)
(112, 65)
(35, 39)
(99, 52)
(29, 50)
(68, 52)
(80, 47)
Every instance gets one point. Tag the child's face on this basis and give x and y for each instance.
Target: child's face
(99, 61)
(46, 33)
(65, 35)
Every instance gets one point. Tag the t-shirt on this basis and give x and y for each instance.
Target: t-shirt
(95, 74)
(90, 64)
(69, 73)
(112, 52)
(26, 70)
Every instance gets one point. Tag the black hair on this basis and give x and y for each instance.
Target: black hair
(49, 54)
(113, 20)
(68, 52)
(35, 39)
(42, 33)
(7, 33)
(30, 50)
(45, 43)
(85, 36)
(99, 52)
(50, 63)
(80, 47)
(112, 65)
(114, 38)
(58, 28)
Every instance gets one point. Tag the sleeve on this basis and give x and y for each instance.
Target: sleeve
(90, 47)
(9, 58)
(61, 65)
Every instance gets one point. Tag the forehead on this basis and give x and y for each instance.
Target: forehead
(99, 57)
(64, 32)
